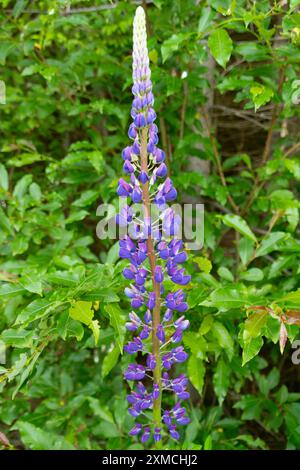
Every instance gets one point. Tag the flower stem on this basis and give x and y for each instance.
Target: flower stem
(156, 286)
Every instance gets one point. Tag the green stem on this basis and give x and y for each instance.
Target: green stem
(156, 286)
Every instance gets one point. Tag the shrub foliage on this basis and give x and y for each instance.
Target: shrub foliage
(225, 75)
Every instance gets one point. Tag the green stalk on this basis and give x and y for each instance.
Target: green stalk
(156, 286)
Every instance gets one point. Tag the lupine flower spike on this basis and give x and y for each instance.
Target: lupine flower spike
(155, 255)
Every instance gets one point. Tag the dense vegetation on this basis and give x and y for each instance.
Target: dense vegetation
(227, 96)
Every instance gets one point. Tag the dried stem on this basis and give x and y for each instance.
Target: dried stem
(183, 109)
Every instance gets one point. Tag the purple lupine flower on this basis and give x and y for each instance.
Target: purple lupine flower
(135, 372)
(157, 434)
(136, 429)
(153, 258)
(146, 435)
(151, 361)
(160, 333)
(173, 432)
(158, 274)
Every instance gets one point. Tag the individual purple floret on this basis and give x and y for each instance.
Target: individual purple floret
(155, 254)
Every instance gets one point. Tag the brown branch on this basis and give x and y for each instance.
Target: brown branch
(218, 161)
(68, 11)
(183, 109)
(257, 185)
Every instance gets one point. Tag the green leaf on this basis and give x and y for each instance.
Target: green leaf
(208, 443)
(225, 298)
(110, 360)
(17, 338)
(5, 222)
(82, 311)
(33, 437)
(36, 438)
(172, 44)
(11, 290)
(117, 322)
(220, 45)
(35, 192)
(221, 380)
(21, 187)
(251, 349)
(283, 199)
(19, 6)
(5, 49)
(196, 343)
(240, 225)
(203, 263)
(261, 95)
(223, 338)
(3, 177)
(97, 160)
(27, 158)
(100, 410)
(17, 367)
(206, 324)
(36, 309)
(291, 298)
(27, 370)
(86, 198)
(205, 19)
(254, 324)
(252, 275)
(269, 243)
(31, 282)
(196, 372)
(224, 273)
(19, 245)
(73, 329)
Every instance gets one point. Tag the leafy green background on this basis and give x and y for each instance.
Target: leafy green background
(227, 95)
